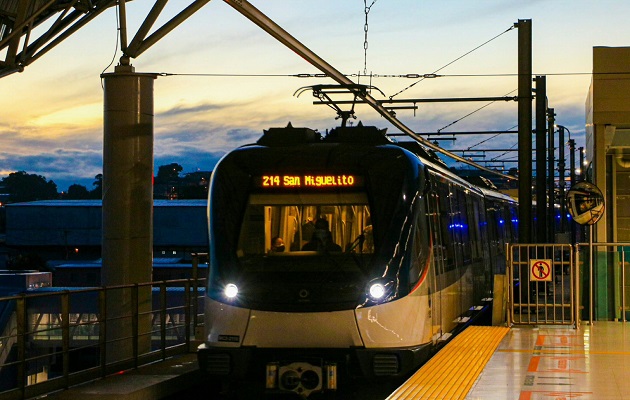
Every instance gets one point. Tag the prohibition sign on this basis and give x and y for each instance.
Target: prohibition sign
(540, 270)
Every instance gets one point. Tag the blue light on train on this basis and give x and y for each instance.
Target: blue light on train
(501, 222)
(230, 291)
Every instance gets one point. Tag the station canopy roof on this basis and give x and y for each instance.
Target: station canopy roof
(30, 28)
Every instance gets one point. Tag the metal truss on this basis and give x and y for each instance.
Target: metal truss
(31, 28)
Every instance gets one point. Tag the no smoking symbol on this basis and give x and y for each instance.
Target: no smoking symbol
(540, 270)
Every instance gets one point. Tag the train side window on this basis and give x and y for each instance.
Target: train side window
(462, 225)
(446, 221)
(514, 219)
(474, 226)
(420, 250)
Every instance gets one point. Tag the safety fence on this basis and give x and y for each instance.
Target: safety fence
(558, 283)
(51, 340)
(544, 287)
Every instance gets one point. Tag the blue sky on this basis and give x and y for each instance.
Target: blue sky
(51, 114)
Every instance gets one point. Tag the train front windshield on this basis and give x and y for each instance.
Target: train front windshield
(288, 224)
(306, 249)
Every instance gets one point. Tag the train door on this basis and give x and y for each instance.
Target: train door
(486, 267)
(436, 272)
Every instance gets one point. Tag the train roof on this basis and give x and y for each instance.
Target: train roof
(497, 195)
(361, 135)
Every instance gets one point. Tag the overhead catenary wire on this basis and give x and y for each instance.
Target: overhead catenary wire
(455, 60)
(490, 138)
(473, 112)
(367, 10)
(116, 45)
(373, 75)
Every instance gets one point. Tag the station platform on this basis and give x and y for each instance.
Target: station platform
(160, 380)
(528, 363)
(481, 363)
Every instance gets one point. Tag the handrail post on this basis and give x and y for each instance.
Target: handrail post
(163, 318)
(20, 313)
(590, 274)
(102, 336)
(510, 287)
(134, 323)
(187, 313)
(65, 336)
(195, 277)
(623, 284)
(576, 267)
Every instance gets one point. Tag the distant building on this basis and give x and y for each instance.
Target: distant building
(88, 273)
(72, 229)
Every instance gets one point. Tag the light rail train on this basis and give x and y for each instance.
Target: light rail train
(340, 255)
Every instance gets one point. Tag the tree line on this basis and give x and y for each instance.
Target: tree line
(169, 183)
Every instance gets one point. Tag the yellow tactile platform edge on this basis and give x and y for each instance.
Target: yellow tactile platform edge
(451, 373)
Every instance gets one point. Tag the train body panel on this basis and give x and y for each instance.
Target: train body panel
(337, 329)
(405, 322)
(224, 324)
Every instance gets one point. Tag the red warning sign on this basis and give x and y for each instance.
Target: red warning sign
(540, 270)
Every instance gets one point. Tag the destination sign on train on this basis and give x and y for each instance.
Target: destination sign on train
(301, 181)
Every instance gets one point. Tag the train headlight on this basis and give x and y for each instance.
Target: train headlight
(230, 291)
(379, 289)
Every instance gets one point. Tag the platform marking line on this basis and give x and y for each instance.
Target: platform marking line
(559, 341)
(561, 352)
(451, 373)
(554, 395)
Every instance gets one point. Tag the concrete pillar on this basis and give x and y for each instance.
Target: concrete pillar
(127, 242)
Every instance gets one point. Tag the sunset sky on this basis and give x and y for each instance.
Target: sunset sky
(51, 115)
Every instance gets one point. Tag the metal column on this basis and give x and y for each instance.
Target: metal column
(551, 173)
(525, 129)
(542, 222)
(561, 181)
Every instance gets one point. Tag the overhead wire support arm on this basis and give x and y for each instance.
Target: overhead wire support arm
(456, 133)
(324, 92)
(433, 100)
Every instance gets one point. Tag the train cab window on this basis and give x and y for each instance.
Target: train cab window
(330, 223)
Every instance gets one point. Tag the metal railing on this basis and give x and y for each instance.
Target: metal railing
(545, 284)
(562, 299)
(54, 340)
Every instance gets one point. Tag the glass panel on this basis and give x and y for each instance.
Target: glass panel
(623, 204)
